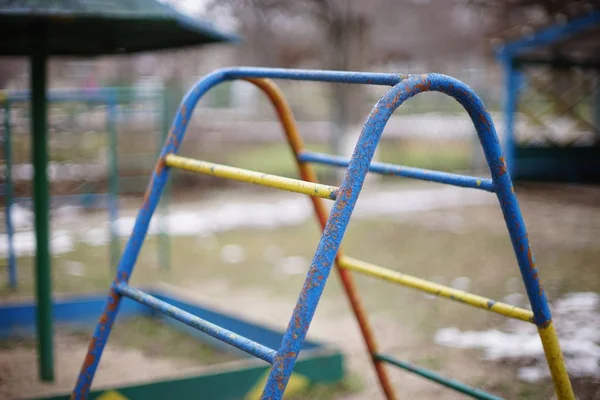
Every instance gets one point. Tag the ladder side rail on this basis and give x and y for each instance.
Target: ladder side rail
(129, 256)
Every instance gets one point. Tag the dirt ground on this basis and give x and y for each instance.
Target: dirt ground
(566, 218)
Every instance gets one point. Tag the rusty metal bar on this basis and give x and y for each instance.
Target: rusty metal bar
(258, 178)
(403, 171)
(224, 335)
(286, 116)
(404, 87)
(436, 289)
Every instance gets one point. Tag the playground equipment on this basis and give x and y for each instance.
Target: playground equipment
(321, 363)
(328, 251)
(115, 100)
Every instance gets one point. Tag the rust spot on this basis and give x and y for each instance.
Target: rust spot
(482, 118)
(90, 358)
(112, 306)
(545, 324)
(530, 258)
(160, 166)
(502, 167)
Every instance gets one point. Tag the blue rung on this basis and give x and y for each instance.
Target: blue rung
(242, 343)
(400, 170)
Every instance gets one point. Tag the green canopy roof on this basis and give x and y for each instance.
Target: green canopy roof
(97, 27)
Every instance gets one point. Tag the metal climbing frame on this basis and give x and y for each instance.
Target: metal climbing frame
(334, 226)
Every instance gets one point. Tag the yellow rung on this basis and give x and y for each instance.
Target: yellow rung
(258, 178)
(435, 289)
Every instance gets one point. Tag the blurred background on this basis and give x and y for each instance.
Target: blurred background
(246, 249)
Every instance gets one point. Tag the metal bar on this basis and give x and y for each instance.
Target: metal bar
(154, 190)
(40, 198)
(8, 193)
(258, 178)
(406, 172)
(333, 233)
(555, 361)
(295, 141)
(113, 176)
(432, 376)
(313, 75)
(293, 340)
(224, 335)
(436, 289)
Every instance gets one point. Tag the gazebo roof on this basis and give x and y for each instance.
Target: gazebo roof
(99, 27)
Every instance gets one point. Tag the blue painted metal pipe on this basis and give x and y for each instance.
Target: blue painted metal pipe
(406, 172)
(432, 376)
(405, 88)
(240, 342)
(348, 194)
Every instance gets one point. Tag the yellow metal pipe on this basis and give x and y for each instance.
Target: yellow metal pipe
(258, 178)
(436, 289)
(556, 363)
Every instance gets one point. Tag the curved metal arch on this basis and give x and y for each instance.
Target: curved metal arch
(405, 88)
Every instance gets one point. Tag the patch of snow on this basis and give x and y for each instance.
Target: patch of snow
(95, 236)
(273, 253)
(75, 268)
(576, 318)
(61, 242)
(292, 265)
(461, 283)
(22, 218)
(516, 299)
(233, 254)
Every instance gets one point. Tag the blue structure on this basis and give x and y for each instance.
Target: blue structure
(283, 358)
(574, 44)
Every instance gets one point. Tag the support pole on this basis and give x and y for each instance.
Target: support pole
(8, 206)
(41, 202)
(113, 179)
